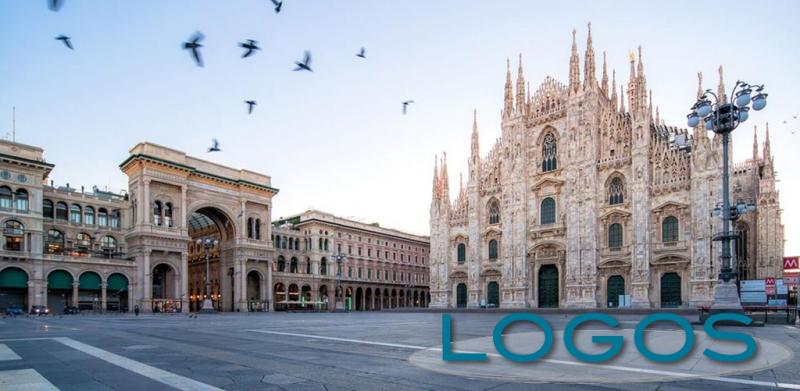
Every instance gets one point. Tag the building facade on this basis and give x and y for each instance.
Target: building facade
(584, 198)
(103, 251)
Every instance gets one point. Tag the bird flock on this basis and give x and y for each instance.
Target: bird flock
(250, 47)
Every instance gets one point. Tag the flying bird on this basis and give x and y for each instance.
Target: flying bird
(405, 106)
(795, 116)
(194, 45)
(250, 104)
(362, 53)
(251, 47)
(214, 146)
(55, 5)
(278, 5)
(66, 40)
(305, 65)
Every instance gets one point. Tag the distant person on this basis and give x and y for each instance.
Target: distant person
(136, 310)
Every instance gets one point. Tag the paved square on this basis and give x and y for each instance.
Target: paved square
(355, 351)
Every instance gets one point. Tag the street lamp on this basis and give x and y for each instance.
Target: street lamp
(722, 118)
(339, 306)
(208, 306)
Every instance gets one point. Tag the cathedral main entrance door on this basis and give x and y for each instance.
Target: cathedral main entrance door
(615, 287)
(493, 294)
(670, 290)
(461, 296)
(548, 286)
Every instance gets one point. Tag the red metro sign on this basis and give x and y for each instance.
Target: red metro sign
(791, 263)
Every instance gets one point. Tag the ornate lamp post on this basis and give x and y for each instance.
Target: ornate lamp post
(339, 306)
(208, 305)
(722, 118)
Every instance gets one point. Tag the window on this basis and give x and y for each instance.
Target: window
(84, 241)
(108, 242)
(13, 232)
(548, 211)
(669, 230)
(462, 253)
(493, 249)
(102, 217)
(55, 242)
(61, 211)
(75, 214)
(616, 191)
(168, 214)
(5, 198)
(549, 153)
(293, 266)
(47, 209)
(250, 227)
(281, 264)
(369, 274)
(157, 213)
(22, 200)
(88, 215)
(323, 267)
(258, 233)
(114, 218)
(494, 212)
(308, 266)
(615, 236)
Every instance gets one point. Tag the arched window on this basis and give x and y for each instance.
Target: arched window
(102, 217)
(323, 267)
(326, 244)
(75, 214)
(258, 229)
(462, 253)
(5, 197)
(83, 241)
(21, 198)
(281, 264)
(108, 242)
(547, 210)
(168, 214)
(55, 242)
(494, 212)
(61, 211)
(88, 215)
(250, 227)
(308, 266)
(285, 242)
(549, 153)
(157, 213)
(493, 249)
(669, 229)
(321, 244)
(13, 232)
(293, 266)
(47, 209)
(277, 242)
(616, 191)
(114, 218)
(615, 236)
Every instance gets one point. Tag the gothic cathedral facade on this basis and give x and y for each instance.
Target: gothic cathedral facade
(583, 201)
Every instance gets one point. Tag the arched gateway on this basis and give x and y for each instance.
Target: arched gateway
(186, 212)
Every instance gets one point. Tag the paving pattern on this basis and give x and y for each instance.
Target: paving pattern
(355, 351)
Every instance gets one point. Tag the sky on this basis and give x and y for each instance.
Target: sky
(335, 139)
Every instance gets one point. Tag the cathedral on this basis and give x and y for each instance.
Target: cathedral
(584, 201)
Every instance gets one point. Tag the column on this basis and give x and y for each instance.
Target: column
(183, 207)
(103, 297)
(146, 204)
(243, 284)
(184, 281)
(372, 300)
(243, 221)
(263, 290)
(270, 296)
(75, 293)
(146, 283)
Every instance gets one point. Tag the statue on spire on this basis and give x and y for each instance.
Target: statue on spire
(589, 78)
(614, 89)
(574, 68)
(604, 80)
(508, 106)
(721, 88)
(520, 88)
(755, 142)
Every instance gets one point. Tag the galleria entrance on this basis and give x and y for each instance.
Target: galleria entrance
(208, 225)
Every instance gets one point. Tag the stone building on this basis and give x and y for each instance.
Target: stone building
(584, 198)
(99, 250)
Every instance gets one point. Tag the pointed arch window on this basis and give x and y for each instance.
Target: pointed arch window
(616, 191)
(493, 249)
(494, 212)
(547, 211)
(615, 236)
(669, 229)
(462, 253)
(549, 153)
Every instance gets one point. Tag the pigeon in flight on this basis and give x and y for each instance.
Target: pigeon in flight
(55, 5)
(194, 45)
(362, 53)
(405, 106)
(251, 47)
(795, 116)
(305, 65)
(278, 5)
(250, 104)
(66, 40)
(214, 146)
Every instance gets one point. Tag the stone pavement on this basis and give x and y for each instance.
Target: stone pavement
(355, 351)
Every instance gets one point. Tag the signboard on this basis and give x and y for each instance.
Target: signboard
(777, 302)
(751, 285)
(753, 297)
(791, 263)
(753, 292)
(781, 288)
(791, 278)
(769, 284)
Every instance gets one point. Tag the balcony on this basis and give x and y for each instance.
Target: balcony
(615, 252)
(669, 247)
(539, 231)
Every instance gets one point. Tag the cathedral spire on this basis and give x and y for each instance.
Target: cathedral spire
(721, 87)
(589, 79)
(621, 99)
(650, 106)
(520, 88)
(445, 180)
(574, 68)
(658, 116)
(508, 106)
(436, 177)
(767, 151)
(699, 84)
(475, 150)
(614, 89)
(642, 83)
(632, 85)
(604, 80)
(755, 142)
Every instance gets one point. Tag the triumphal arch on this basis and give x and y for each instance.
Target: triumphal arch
(177, 199)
